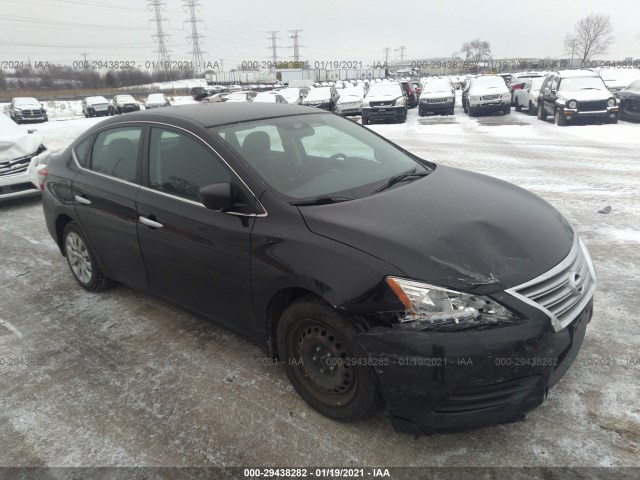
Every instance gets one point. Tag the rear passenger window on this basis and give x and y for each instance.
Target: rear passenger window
(115, 152)
(181, 166)
(82, 150)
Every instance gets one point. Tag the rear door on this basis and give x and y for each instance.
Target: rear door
(197, 257)
(103, 195)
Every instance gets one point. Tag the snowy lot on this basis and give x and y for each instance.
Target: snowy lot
(128, 379)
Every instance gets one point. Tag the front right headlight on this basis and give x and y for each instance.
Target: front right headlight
(429, 306)
(400, 102)
(572, 104)
(365, 103)
(474, 98)
(611, 102)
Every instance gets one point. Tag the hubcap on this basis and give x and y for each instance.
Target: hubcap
(78, 258)
(326, 364)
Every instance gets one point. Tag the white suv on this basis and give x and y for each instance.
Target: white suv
(488, 93)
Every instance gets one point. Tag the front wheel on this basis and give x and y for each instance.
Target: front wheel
(532, 108)
(324, 362)
(559, 118)
(365, 121)
(82, 261)
(542, 115)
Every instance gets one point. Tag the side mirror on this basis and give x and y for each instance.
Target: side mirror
(218, 196)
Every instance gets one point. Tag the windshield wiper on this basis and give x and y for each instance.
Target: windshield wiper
(320, 201)
(401, 177)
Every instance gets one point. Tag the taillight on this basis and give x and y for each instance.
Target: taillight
(517, 87)
(42, 175)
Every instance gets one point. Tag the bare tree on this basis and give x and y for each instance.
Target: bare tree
(591, 36)
(476, 50)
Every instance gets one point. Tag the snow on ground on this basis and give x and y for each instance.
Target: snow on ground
(590, 418)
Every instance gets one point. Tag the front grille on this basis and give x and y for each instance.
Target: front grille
(496, 396)
(434, 101)
(31, 113)
(381, 104)
(490, 97)
(564, 291)
(14, 167)
(592, 106)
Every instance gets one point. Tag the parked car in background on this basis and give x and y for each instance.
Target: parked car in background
(350, 101)
(242, 96)
(412, 99)
(156, 100)
(26, 109)
(506, 77)
(269, 97)
(629, 99)
(125, 103)
(22, 156)
(488, 93)
(329, 246)
(617, 79)
(569, 95)
(199, 93)
(384, 101)
(518, 80)
(321, 97)
(527, 96)
(437, 97)
(217, 97)
(97, 106)
(293, 95)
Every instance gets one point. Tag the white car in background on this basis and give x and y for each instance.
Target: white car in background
(217, 98)
(156, 100)
(617, 79)
(245, 96)
(22, 155)
(97, 106)
(350, 101)
(269, 97)
(292, 94)
(488, 93)
(527, 96)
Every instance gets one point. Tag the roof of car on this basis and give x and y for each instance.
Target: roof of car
(214, 114)
(577, 73)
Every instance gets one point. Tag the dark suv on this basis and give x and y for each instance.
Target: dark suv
(384, 101)
(569, 95)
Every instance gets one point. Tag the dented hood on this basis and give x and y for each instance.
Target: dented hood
(454, 229)
(14, 141)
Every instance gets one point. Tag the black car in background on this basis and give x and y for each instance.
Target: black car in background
(199, 93)
(629, 99)
(125, 103)
(372, 274)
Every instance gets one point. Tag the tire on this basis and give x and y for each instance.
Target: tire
(542, 115)
(452, 111)
(613, 121)
(365, 120)
(471, 111)
(559, 119)
(82, 261)
(421, 112)
(518, 106)
(532, 109)
(312, 337)
(507, 111)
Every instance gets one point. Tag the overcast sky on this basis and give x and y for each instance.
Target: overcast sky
(59, 31)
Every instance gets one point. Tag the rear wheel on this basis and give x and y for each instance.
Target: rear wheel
(471, 111)
(82, 261)
(532, 108)
(559, 119)
(507, 110)
(319, 351)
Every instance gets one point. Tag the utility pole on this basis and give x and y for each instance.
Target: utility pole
(157, 7)
(192, 7)
(274, 47)
(222, 65)
(84, 54)
(296, 44)
(402, 49)
(386, 54)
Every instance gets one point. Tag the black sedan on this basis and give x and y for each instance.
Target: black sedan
(629, 99)
(373, 275)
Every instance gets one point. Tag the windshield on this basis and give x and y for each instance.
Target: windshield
(488, 82)
(437, 86)
(321, 93)
(26, 101)
(237, 96)
(353, 92)
(155, 97)
(582, 83)
(124, 98)
(385, 89)
(310, 156)
(96, 100)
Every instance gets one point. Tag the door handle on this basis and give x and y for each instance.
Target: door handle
(82, 200)
(149, 223)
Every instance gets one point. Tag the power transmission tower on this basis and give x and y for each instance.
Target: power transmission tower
(157, 7)
(402, 49)
(296, 44)
(386, 54)
(274, 47)
(192, 7)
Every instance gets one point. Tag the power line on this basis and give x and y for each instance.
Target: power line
(402, 49)
(274, 47)
(157, 7)
(192, 7)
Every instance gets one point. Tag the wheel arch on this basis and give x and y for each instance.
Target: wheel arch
(61, 223)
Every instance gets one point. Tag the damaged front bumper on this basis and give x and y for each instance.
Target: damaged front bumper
(437, 382)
